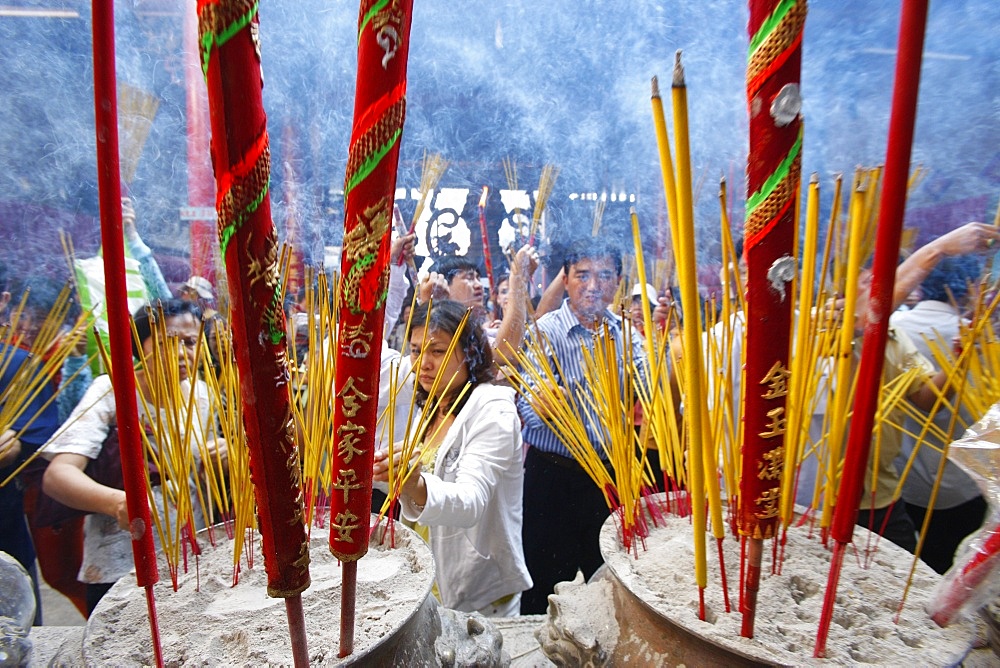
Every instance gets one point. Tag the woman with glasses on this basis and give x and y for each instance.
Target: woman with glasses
(107, 551)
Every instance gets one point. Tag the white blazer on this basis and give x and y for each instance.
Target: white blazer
(473, 504)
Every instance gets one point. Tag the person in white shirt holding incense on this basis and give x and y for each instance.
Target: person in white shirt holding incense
(470, 494)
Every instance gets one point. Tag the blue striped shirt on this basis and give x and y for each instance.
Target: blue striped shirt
(562, 334)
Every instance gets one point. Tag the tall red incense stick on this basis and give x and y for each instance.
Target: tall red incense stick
(369, 185)
(484, 232)
(773, 168)
(912, 24)
(230, 56)
(200, 184)
(119, 327)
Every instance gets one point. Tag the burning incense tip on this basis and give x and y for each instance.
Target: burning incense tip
(678, 71)
(814, 178)
(655, 85)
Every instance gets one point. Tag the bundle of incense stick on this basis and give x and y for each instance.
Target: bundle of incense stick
(545, 184)
(42, 366)
(412, 449)
(312, 393)
(136, 111)
(599, 206)
(224, 404)
(662, 424)
(607, 407)
(181, 444)
(614, 404)
(656, 396)
(510, 173)
(434, 167)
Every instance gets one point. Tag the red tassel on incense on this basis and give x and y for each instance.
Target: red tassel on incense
(912, 25)
(116, 298)
(230, 56)
(773, 168)
(369, 187)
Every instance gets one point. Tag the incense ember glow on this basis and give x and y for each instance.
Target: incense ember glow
(209, 622)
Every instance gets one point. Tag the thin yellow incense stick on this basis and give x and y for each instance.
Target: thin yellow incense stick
(694, 397)
(845, 352)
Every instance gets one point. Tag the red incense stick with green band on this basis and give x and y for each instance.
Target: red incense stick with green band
(249, 243)
(369, 187)
(773, 167)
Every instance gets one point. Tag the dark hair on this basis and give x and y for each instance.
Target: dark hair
(449, 265)
(951, 274)
(589, 248)
(145, 316)
(501, 276)
(446, 316)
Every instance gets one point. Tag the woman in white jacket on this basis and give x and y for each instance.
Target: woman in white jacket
(471, 497)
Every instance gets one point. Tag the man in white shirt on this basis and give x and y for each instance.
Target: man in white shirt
(959, 508)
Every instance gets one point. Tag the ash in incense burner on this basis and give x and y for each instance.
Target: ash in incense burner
(207, 621)
(651, 606)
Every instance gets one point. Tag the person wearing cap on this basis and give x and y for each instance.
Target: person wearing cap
(635, 309)
(199, 291)
(658, 307)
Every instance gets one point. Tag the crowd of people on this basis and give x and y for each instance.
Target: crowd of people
(509, 511)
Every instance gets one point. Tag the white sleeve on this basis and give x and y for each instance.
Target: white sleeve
(398, 285)
(88, 425)
(492, 444)
(394, 375)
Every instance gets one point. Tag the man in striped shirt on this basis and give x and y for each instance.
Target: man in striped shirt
(563, 508)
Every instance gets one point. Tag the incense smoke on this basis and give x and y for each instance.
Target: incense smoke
(560, 82)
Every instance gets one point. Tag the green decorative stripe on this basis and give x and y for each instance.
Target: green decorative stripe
(774, 179)
(211, 40)
(770, 24)
(274, 332)
(369, 15)
(229, 231)
(370, 163)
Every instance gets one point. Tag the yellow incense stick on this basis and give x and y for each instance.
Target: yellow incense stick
(685, 247)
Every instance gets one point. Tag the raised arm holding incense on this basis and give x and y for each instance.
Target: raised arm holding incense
(968, 239)
(432, 286)
(402, 247)
(149, 268)
(510, 335)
